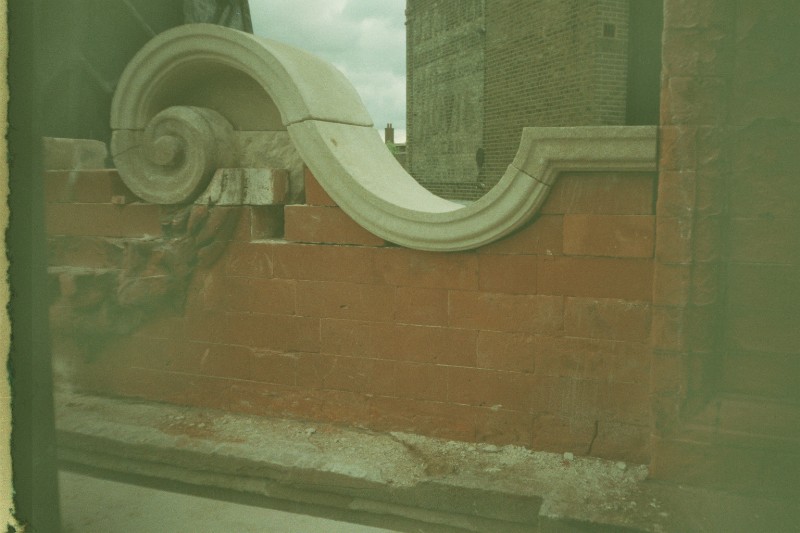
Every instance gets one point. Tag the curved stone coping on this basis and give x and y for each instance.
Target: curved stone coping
(368, 183)
(546, 152)
(302, 85)
(332, 131)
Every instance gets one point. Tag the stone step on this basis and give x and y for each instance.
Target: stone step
(407, 479)
(401, 481)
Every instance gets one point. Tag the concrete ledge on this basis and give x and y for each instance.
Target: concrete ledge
(281, 460)
(408, 482)
(406, 479)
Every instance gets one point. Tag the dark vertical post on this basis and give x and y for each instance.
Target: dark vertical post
(644, 62)
(33, 434)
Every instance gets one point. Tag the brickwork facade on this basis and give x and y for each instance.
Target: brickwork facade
(540, 339)
(548, 63)
(444, 118)
(522, 63)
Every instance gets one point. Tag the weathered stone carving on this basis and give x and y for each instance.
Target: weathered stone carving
(93, 305)
(262, 85)
(173, 158)
(246, 186)
(273, 150)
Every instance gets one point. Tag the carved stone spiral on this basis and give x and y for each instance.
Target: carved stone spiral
(172, 160)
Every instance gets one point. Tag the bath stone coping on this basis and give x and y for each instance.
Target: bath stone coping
(333, 133)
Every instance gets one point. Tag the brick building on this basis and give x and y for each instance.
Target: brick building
(444, 63)
(481, 70)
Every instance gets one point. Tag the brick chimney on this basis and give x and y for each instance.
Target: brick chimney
(388, 135)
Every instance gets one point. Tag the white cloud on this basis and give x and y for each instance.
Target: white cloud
(365, 39)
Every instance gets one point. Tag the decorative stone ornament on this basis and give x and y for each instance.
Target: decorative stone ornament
(262, 85)
(172, 160)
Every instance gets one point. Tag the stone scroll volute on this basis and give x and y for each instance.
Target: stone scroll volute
(172, 160)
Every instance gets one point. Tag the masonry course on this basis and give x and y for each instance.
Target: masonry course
(316, 325)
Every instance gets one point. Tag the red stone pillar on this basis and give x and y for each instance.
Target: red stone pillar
(692, 168)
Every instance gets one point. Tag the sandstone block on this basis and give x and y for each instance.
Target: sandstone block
(609, 235)
(246, 186)
(103, 220)
(86, 187)
(602, 193)
(606, 319)
(315, 194)
(599, 277)
(422, 306)
(328, 225)
(508, 273)
(73, 154)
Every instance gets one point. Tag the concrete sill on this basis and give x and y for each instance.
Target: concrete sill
(398, 481)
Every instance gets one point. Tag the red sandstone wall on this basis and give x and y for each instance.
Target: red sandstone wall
(558, 337)
(726, 296)
(763, 216)
(541, 339)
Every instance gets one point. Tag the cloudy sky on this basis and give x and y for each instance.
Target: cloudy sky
(365, 39)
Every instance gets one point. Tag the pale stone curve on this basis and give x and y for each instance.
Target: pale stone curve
(332, 132)
(302, 85)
